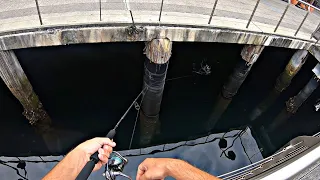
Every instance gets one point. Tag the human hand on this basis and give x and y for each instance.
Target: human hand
(104, 146)
(154, 169)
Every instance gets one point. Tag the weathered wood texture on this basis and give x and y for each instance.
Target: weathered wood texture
(14, 77)
(250, 53)
(315, 51)
(158, 50)
(119, 33)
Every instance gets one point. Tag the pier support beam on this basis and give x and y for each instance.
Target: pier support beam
(249, 54)
(282, 82)
(158, 53)
(14, 77)
(294, 103)
(292, 106)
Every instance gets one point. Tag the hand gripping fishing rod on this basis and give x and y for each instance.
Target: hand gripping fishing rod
(94, 159)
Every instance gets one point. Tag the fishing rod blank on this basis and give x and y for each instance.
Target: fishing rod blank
(94, 159)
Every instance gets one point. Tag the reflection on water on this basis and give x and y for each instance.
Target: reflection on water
(203, 153)
(86, 89)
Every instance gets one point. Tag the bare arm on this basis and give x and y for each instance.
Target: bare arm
(72, 164)
(159, 168)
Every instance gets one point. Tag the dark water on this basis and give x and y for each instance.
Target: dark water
(87, 88)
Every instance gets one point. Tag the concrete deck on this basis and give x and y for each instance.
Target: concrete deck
(181, 20)
(233, 14)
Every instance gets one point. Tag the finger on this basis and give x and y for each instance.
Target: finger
(107, 148)
(97, 166)
(105, 141)
(103, 158)
(107, 152)
(103, 152)
(141, 170)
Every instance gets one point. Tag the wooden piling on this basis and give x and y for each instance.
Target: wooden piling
(158, 53)
(249, 54)
(16, 80)
(282, 82)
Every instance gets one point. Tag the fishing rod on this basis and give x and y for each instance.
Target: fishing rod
(117, 161)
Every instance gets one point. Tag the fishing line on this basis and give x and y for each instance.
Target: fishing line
(244, 149)
(137, 116)
(143, 92)
(125, 114)
(135, 123)
(238, 135)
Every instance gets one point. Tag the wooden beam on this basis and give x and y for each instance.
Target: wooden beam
(16, 80)
(158, 53)
(14, 77)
